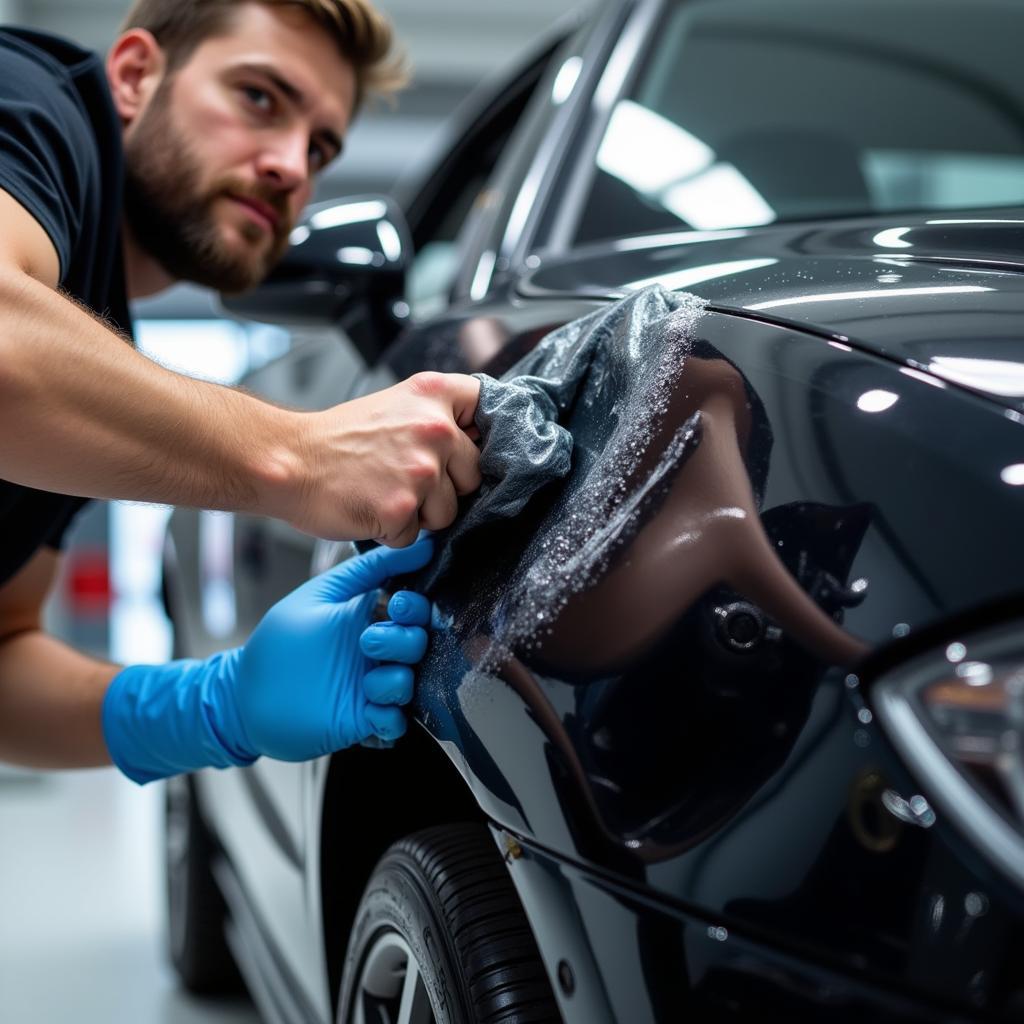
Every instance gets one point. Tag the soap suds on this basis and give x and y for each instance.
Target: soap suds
(569, 429)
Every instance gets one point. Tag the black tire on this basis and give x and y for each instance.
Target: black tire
(195, 906)
(442, 902)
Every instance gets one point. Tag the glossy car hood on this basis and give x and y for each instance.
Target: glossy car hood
(942, 294)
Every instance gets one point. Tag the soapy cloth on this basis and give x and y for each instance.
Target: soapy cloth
(524, 446)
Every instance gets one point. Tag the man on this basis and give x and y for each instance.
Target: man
(191, 157)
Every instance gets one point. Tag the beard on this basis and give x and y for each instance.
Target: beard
(172, 218)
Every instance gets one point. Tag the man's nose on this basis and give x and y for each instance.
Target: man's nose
(285, 160)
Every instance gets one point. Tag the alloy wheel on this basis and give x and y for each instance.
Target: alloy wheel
(391, 988)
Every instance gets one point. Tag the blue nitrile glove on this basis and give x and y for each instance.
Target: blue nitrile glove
(304, 685)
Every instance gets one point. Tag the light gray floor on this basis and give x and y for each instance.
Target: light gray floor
(81, 908)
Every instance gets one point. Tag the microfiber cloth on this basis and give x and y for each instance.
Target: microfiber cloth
(524, 446)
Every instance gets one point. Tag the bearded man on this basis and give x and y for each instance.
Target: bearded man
(189, 156)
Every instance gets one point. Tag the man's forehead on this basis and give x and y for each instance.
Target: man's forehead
(291, 45)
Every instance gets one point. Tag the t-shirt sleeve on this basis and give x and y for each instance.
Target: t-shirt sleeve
(44, 145)
(57, 532)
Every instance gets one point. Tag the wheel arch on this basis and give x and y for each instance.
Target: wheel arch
(371, 799)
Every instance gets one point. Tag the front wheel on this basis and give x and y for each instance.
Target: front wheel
(440, 937)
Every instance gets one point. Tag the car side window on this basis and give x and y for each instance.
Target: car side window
(459, 188)
(504, 233)
(745, 115)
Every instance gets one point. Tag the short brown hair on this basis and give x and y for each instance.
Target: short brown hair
(363, 35)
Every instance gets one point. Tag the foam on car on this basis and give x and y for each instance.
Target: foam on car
(568, 462)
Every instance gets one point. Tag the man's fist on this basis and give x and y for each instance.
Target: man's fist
(386, 466)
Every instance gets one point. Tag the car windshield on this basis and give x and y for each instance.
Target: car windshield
(750, 112)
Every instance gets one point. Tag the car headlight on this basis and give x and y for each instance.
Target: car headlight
(956, 716)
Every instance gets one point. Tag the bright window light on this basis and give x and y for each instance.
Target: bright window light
(875, 293)
(1014, 475)
(648, 152)
(669, 238)
(349, 213)
(356, 256)
(697, 275)
(976, 220)
(139, 630)
(877, 401)
(720, 197)
(665, 162)
(483, 275)
(217, 572)
(996, 376)
(566, 79)
(927, 378)
(892, 238)
(390, 243)
(214, 350)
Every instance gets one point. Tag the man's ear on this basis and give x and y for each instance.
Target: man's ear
(135, 68)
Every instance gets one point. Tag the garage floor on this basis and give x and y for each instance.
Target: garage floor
(81, 907)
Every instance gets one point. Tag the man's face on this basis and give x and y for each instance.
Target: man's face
(221, 161)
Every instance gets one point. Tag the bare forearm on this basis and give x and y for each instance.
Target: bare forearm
(81, 412)
(50, 701)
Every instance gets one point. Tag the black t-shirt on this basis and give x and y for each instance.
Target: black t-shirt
(61, 159)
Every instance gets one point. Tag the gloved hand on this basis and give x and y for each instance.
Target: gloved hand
(304, 684)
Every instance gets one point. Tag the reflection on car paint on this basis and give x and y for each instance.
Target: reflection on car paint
(608, 377)
(729, 726)
(654, 552)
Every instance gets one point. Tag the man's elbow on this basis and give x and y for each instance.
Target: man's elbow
(13, 386)
(17, 305)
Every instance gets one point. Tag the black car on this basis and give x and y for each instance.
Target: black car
(729, 722)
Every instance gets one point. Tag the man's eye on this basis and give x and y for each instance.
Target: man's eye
(258, 97)
(320, 155)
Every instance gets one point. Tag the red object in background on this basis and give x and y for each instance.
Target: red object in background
(88, 582)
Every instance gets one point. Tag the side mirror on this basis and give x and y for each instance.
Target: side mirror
(346, 267)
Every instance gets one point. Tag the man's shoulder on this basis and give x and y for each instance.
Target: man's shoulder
(49, 81)
(41, 53)
(60, 149)
(44, 71)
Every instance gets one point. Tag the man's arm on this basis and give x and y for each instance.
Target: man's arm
(61, 709)
(50, 695)
(82, 413)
